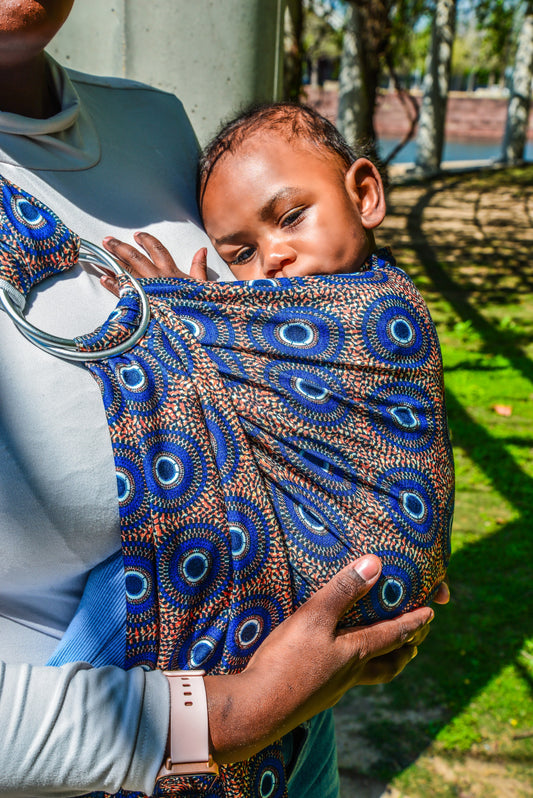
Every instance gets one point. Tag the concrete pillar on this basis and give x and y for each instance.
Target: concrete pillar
(215, 55)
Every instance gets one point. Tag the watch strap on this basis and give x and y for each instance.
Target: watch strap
(188, 730)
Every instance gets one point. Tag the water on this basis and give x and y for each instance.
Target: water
(453, 150)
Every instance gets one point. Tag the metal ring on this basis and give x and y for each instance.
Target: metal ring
(65, 347)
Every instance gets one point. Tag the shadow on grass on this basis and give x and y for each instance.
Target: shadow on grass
(489, 618)
(453, 291)
(482, 629)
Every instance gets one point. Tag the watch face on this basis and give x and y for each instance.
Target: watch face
(206, 785)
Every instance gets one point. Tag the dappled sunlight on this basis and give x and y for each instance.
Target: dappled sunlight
(481, 228)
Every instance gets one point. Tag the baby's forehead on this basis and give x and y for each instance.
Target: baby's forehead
(277, 142)
(269, 147)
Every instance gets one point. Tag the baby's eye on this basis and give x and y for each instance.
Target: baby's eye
(292, 218)
(243, 256)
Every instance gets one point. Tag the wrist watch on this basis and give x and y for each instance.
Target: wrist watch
(188, 747)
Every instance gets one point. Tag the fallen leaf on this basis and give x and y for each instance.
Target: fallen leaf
(503, 410)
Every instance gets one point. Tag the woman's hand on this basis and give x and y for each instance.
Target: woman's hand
(306, 665)
(157, 262)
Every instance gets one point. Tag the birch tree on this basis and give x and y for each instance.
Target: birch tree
(430, 139)
(514, 140)
(292, 65)
(377, 36)
(355, 116)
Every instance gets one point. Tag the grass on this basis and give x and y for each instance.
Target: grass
(459, 721)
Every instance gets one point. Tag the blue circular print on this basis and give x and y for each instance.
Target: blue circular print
(252, 620)
(298, 333)
(410, 500)
(321, 463)
(399, 587)
(140, 583)
(312, 526)
(194, 566)
(403, 414)
(142, 381)
(140, 593)
(41, 230)
(201, 649)
(309, 392)
(249, 534)
(131, 492)
(207, 329)
(175, 469)
(395, 332)
(223, 443)
(268, 778)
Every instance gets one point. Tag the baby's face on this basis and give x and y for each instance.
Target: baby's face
(278, 208)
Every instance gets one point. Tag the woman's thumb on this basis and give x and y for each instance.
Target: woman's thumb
(348, 586)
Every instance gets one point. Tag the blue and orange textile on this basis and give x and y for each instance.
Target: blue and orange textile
(265, 434)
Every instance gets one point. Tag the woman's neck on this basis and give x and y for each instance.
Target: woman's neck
(26, 89)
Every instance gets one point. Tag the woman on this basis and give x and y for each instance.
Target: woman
(79, 144)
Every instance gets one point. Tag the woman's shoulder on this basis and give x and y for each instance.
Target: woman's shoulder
(115, 83)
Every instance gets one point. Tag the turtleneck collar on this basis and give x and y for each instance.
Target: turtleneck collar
(67, 141)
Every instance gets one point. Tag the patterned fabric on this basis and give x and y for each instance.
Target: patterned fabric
(264, 435)
(34, 244)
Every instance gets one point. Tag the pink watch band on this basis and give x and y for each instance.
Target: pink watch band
(189, 730)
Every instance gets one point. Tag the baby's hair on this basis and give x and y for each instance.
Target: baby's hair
(294, 120)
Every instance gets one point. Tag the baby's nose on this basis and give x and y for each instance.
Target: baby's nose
(276, 258)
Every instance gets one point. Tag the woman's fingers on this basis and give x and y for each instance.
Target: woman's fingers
(442, 596)
(384, 637)
(305, 665)
(381, 670)
(398, 642)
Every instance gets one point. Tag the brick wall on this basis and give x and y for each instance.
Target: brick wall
(468, 116)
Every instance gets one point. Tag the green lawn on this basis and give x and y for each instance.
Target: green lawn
(459, 721)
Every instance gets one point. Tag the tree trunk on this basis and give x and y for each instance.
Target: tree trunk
(430, 139)
(515, 136)
(292, 66)
(354, 118)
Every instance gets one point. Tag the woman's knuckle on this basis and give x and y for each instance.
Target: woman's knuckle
(364, 648)
(344, 586)
(315, 620)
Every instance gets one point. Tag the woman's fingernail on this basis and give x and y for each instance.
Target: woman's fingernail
(367, 568)
(108, 240)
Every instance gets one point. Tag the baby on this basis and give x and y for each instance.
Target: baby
(332, 365)
(281, 195)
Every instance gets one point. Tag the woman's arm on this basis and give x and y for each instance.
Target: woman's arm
(73, 729)
(76, 729)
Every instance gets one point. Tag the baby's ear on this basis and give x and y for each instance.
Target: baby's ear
(365, 186)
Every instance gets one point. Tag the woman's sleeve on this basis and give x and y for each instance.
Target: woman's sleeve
(74, 729)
